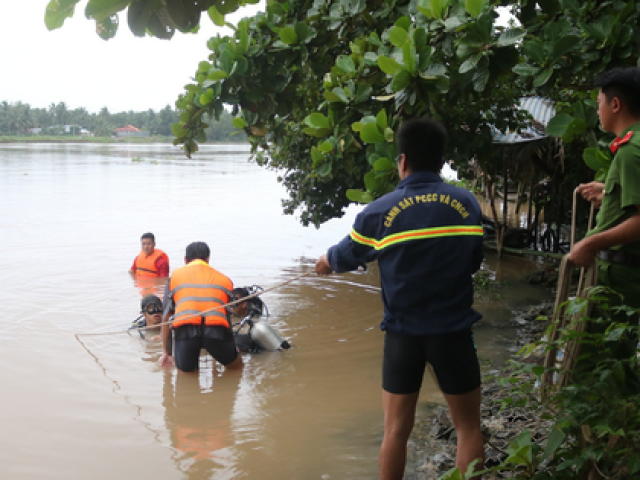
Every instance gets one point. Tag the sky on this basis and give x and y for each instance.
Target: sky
(75, 66)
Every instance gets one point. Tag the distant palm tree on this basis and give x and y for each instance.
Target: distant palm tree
(61, 112)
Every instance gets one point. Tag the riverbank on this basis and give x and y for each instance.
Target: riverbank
(69, 139)
(431, 450)
(163, 139)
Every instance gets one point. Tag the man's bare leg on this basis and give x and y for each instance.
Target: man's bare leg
(399, 415)
(465, 413)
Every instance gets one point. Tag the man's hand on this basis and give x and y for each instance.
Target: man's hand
(582, 253)
(592, 192)
(322, 266)
(166, 361)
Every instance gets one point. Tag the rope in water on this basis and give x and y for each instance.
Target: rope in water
(235, 302)
(561, 321)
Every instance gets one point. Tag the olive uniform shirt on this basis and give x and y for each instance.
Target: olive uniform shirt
(619, 203)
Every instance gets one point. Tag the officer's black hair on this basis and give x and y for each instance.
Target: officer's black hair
(197, 251)
(148, 235)
(422, 141)
(624, 83)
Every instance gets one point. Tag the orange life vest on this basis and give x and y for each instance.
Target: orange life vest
(198, 287)
(146, 265)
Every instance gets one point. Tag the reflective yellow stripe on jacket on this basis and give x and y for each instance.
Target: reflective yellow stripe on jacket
(421, 234)
(196, 288)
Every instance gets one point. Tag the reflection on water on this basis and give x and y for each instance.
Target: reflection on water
(71, 217)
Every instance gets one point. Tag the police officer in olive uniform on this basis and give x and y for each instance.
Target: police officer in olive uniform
(615, 240)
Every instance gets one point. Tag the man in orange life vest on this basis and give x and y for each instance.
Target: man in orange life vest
(151, 262)
(190, 298)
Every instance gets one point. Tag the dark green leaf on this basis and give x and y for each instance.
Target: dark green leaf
(559, 124)
(107, 27)
(139, 14)
(184, 14)
(324, 169)
(288, 36)
(178, 130)
(216, 75)
(434, 70)
(420, 37)
(409, 57)
(592, 30)
(226, 61)
(101, 9)
(525, 70)
(346, 64)
(480, 79)
(398, 36)
(363, 93)
(511, 36)
(469, 64)
(239, 122)
(564, 45)
(438, 7)
(317, 120)
(325, 147)
(359, 196)
(383, 164)
(403, 22)
(340, 93)
(474, 7)
(371, 134)
(302, 31)
(401, 80)
(216, 17)
(595, 159)
(543, 77)
(381, 119)
(370, 58)
(534, 49)
(556, 437)
(451, 23)
(57, 12)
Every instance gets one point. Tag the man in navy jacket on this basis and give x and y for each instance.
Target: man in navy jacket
(427, 238)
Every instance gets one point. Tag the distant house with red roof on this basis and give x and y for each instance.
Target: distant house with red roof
(130, 131)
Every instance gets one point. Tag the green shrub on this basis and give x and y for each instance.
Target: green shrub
(591, 428)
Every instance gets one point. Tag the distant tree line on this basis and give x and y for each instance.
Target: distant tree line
(19, 118)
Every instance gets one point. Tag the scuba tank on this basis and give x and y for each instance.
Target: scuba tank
(267, 338)
(259, 336)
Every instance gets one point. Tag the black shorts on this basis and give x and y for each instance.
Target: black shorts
(453, 358)
(190, 339)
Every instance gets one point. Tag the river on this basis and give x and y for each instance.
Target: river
(100, 407)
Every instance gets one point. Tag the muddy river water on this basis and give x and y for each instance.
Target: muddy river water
(70, 221)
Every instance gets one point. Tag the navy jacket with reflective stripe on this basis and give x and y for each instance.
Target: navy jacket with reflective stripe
(427, 238)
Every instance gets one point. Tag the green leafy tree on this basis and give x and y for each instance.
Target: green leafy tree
(320, 86)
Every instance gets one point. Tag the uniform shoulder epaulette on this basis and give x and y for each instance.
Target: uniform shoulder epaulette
(618, 142)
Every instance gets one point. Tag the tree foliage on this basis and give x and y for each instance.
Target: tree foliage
(160, 18)
(320, 86)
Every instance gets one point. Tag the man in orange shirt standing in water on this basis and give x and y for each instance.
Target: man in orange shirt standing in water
(151, 262)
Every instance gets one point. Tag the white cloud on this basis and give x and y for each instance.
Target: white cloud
(75, 66)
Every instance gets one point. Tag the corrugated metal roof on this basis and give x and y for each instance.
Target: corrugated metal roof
(542, 109)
